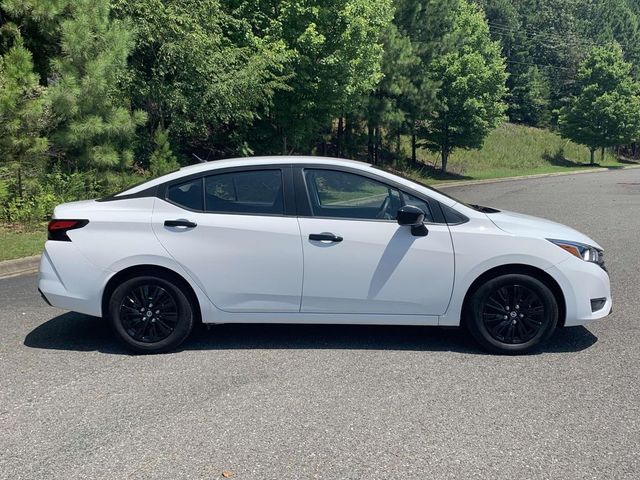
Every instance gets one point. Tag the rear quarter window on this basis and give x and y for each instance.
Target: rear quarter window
(187, 194)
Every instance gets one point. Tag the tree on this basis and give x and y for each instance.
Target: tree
(201, 70)
(162, 159)
(529, 99)
(383, 107)
(428, 26)
(94, 124)
(23, 112)
(606, 111)
(470, 100)
(334, 51)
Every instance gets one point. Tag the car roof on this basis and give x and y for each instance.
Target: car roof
(281, 160)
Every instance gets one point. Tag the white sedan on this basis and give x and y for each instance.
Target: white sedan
(315, 240)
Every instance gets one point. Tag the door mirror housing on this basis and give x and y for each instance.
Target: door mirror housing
(413, 217)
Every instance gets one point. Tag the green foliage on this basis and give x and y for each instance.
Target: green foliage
(162, 159)
(529, 100)
(470, 99)
(199, 69)
(23, 113)
(606, 111)
(334, 53)
(420, 31)
(93, 124)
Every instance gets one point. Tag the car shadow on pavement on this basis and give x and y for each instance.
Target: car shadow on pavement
(77, 332)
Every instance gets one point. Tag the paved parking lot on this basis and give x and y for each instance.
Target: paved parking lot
(267, 402)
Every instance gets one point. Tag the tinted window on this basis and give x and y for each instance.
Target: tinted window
(257, 192)
(421, 204)
(187, 194)
(346, 195)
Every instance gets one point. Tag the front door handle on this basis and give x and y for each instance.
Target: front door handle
(325, 237)
(180, 223)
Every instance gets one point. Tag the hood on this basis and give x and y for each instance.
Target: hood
(527, 225)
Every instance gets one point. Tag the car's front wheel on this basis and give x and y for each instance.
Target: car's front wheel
(511, 313)
(150, 314)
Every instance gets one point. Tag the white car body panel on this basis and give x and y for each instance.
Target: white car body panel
(264, 269)
(379, 268)
(529, 226)
(244, 263)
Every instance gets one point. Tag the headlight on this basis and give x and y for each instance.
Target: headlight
(582, 251)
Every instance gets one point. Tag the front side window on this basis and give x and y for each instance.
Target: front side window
(187, 194)
(346, 195)
(253, 192)
(417, 202)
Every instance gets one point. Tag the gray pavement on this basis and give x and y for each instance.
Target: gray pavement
(267, 402)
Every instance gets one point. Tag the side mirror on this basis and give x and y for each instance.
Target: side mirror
(413, 217)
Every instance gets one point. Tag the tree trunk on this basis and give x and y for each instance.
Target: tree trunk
(602, 155)
(376, 146)
(347, 135)
(19, 182)
(339, 137)
(369, 143)
(284, 144)
(593, 155)
(414, 160)
(445, 158)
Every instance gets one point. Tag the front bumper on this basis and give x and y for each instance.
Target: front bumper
(581, 282)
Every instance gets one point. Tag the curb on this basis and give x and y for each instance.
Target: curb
(462, 183)
(19, 266)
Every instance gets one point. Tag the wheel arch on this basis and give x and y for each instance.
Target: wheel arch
(517, 268)
(148, 269)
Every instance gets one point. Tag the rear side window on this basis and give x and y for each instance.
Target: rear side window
(187, 194)
(253, 192)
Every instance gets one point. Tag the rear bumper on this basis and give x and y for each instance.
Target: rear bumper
(67, 280)
(582, 282)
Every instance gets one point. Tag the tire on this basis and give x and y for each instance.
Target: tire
(511, 329)
(147, 328)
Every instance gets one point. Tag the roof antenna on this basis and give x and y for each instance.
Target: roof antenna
(199, 159)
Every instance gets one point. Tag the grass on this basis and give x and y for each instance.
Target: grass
(20, 242)
(510, 151)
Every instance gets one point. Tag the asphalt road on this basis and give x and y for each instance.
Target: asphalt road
(267, 402)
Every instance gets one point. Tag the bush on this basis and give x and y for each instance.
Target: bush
(30, 210)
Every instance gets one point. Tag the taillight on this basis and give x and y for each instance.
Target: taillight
(58, 228)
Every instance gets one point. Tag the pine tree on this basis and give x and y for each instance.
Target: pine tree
(162, 159)
(23, 114)
(427, 25)
(94, 124)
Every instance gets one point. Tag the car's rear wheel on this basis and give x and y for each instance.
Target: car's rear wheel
(511, 313)
(150, 314)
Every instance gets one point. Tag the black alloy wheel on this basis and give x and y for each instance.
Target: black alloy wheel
(151, 314)
(511, 313)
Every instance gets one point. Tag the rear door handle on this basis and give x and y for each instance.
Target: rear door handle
(324, 237)
(180, 223)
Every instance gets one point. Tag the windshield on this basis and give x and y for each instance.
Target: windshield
(473, 206)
